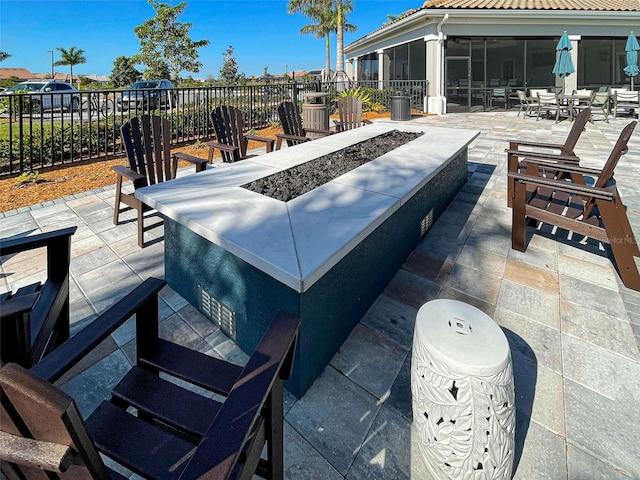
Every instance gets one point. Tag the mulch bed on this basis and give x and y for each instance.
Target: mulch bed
(74, 179)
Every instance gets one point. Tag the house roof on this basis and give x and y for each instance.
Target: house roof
(594, 5)
(20, 73)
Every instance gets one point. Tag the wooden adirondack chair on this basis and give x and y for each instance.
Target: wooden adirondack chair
(34, 320)
(350, 111)
(593, 211)
(231, 141)
(174, 432)
(147, 141)
(291, 121)
(517, 157)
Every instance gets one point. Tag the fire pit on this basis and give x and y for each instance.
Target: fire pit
(240, 256)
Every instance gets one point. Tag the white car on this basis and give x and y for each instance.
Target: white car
(48, 94)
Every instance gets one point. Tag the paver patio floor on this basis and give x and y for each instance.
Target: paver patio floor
(573, 329)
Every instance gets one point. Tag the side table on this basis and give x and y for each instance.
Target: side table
(462, 392)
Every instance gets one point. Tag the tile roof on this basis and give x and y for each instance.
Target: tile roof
(593, 5)
(20, 73)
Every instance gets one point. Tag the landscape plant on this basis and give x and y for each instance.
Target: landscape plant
(164, 41)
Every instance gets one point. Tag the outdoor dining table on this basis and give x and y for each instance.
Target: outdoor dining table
(573, 102)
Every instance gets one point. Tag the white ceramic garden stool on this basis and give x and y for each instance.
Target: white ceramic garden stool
(462, 393)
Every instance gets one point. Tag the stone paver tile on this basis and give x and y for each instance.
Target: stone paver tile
(592, 252)
(201, 324)
(19, 225)
(174, 300)
(604, 428)
(427, 266)
(538, 393)
(393, 319)
(581, 464)
(534, 304)
(96, 258)
(230, 351)
(386, 452)
(148, 261)
(599, 274)
(608, 332)
(80, 247)
(94, 384)
(24, 264)
(302, 461)
(497, 241)
(592, 296)
(443, 230)
(533, 340)
(400, 397)
(474, 283)
(544, 258)
(530, 276)
(176, 330)
(370, 360)
(411, 289)
(482, 260)
(453, 294)
(604, 371)
(335, 416)
(541, 456)
(441, 246)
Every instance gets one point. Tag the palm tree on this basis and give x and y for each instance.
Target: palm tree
(4, 55)
(342, 8)
(71, 57)
(327, 22)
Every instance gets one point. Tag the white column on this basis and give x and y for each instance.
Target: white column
(435, 74)
(380, 69)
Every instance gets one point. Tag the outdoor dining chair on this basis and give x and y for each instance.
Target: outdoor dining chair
(549, 102)
(525, 103)
(626, 101)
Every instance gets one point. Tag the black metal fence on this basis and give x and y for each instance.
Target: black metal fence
(38, 131)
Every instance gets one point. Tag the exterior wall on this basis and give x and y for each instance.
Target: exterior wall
(490, 23)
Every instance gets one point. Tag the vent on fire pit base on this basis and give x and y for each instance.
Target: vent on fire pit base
(218, 312)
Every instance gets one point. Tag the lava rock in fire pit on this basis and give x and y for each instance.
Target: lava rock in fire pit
(292, 183)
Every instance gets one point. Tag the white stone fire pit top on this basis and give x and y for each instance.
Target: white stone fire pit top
(299, 241)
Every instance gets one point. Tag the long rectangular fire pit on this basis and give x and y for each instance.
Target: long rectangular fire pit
(239, 256)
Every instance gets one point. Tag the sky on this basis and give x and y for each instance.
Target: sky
(261, 32)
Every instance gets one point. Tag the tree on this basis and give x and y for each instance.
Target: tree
(342, 8)
(71, 57)
(229, 70)
(326, 18)
(165, 42)
(124, 73)
(4, 55)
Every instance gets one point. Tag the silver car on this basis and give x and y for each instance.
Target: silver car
(48, 95)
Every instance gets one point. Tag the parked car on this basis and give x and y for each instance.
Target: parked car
(147, 95)
(48, 94)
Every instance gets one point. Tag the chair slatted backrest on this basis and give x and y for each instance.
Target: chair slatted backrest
(605, 176)
(350, 111)
(290, 119)
(34, 409)
(228, 126)
(147, 144)
(577, 128)
(548, 98)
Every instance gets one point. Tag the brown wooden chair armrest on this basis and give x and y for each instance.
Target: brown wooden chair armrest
(190, 158)
(61, 360)
(542, 155)
(565, 167)
(222, 446)
(220, 146)
(295, 138)
(319, 131)
(269, 142)
(20, 244)
(573, 188)
(127, 173)
(259, 139)
(536, 144)
(26, 451)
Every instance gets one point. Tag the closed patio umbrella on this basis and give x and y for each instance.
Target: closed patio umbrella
(632, 47)
(564, 64)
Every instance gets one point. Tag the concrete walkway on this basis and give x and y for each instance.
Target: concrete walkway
(573, 328)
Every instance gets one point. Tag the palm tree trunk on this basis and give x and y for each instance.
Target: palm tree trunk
(340, 41)
(327, 59)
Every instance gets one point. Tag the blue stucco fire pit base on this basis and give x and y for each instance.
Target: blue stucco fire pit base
(201, 270)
